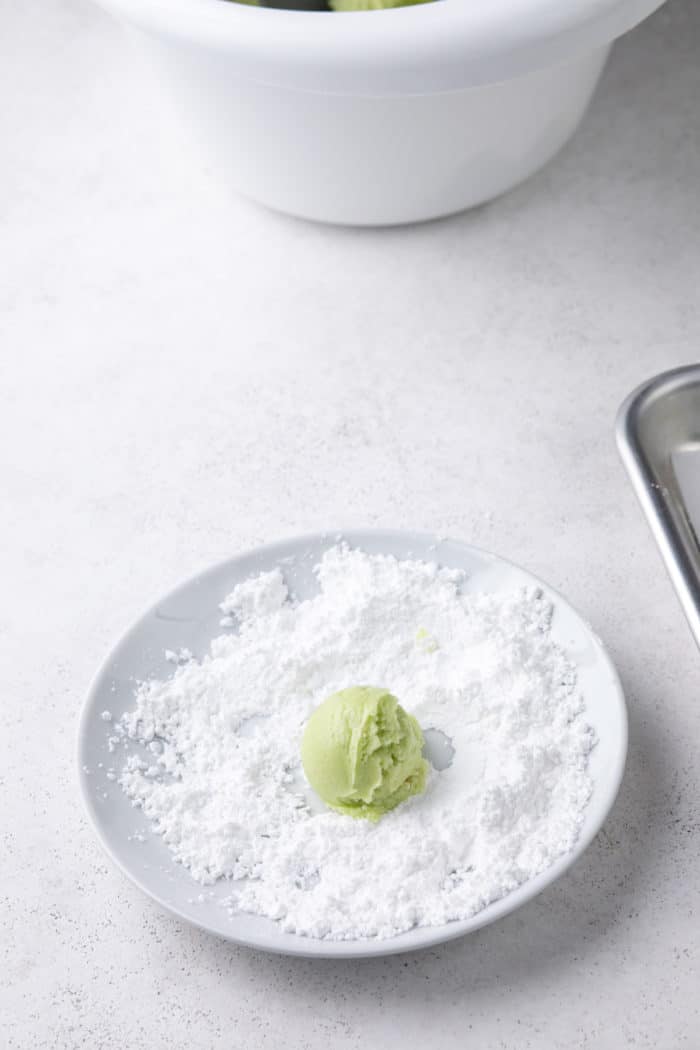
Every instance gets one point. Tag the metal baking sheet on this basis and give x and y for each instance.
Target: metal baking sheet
(658, 435)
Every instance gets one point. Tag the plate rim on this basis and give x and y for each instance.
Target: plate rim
(430, 936)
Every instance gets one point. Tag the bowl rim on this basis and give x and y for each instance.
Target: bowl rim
(445, 45)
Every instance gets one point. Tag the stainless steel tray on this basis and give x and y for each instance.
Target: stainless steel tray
(658, 435)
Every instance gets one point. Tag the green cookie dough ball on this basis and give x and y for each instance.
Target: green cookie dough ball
(362, 753)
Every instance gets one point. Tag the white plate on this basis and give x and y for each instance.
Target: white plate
(189, 617)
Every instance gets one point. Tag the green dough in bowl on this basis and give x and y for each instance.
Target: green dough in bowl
(345, 5)
(362, 753)
(371, 5)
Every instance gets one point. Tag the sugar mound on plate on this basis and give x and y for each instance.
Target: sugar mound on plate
(225, 790)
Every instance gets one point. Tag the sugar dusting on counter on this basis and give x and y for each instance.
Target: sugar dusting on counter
(219, 774)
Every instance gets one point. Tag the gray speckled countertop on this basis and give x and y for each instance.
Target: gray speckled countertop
(184, 375)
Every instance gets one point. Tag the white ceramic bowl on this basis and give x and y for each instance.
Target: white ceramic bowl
(382, 117)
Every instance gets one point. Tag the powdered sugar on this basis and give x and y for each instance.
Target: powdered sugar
(221, 779)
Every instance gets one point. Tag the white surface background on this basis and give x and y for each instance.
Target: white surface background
(184, 375)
